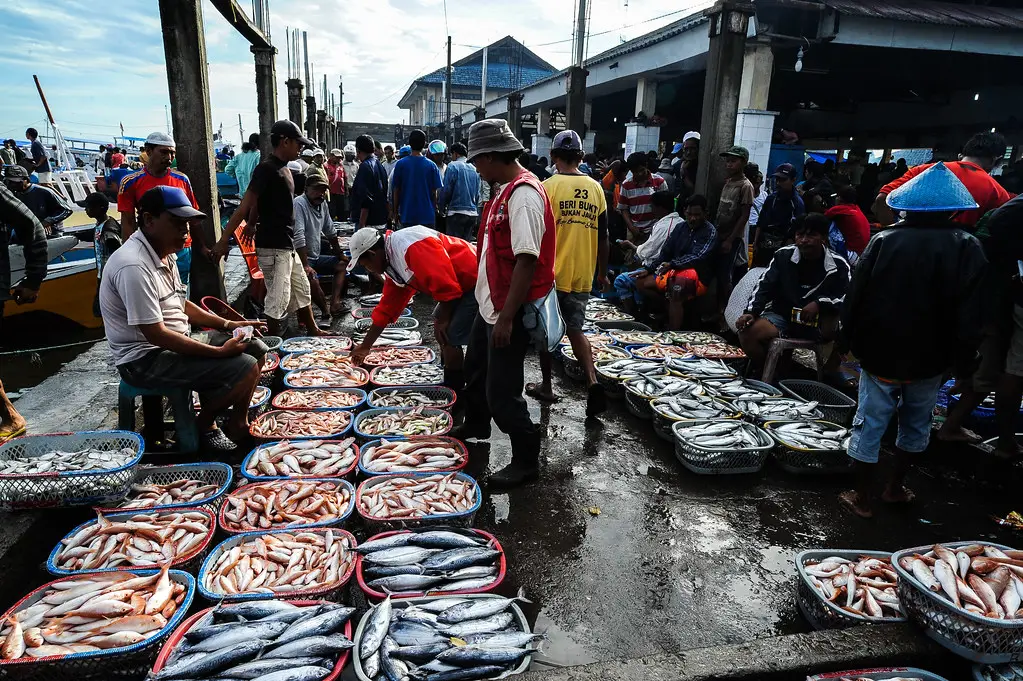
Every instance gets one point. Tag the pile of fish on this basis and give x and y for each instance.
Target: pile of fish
(777, 408)
(395, 338)
(271, 362)
(692, 407)
(444, 639)
(259, 396)
(608, 314)
(316, 399)
(268, 640)
(1004, 672)
(183, 491)
(398, 497)
(317, 358)
(725, 434)
(282, 424)
(406, 422)
(810, 435)
(595, 338)
(281, 563)
(887, 678)
(398, 356)
(311, 343)
(323, 458)
(344, 376)
(99, 611)
(694, 337)
(659, 352)
(407, 397)
(649, 386)
(598, 352)
(716, 350)
(371, 300)
(142, 540)
(865, 586)
(735, 389)
(623, 337)
(408, 563)
(62, 462)
(416, 374)
(285, 503)
(624, 369)
(701, 368)
(980, 579)
(412, 456)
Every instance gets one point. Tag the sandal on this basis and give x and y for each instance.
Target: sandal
(217, 441)
(533, 390)
(6, 435)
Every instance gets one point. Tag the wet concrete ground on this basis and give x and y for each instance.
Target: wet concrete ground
(673, 561)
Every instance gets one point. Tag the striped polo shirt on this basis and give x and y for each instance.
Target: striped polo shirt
(637, 199)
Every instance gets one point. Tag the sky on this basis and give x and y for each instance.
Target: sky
(102, 69)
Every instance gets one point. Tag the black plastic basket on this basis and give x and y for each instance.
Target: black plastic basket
(836, 406)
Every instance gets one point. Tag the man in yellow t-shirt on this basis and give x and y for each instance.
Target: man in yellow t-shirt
(580, 211)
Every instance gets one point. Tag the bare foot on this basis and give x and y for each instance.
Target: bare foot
(903, 495)
(960, 434)
(539, 392)
(851, 501)
(316, 331)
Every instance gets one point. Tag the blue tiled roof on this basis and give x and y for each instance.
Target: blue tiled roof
(499, 76)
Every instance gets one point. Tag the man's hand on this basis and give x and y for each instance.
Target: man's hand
(233, 347)
(24, 295)
(603, 283)
(440, 330)
(500, 337)
(810, 312)
(359, 355)
(249, 230)
(208, 253)
(726, 245)
(220, 250)
(310, 272)
(257, 324)
(744, 322)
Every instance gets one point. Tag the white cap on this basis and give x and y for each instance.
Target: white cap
(294, 166)
(308, 153)
(360, 243)
(161, 139)
(350, 148)
(691, 135)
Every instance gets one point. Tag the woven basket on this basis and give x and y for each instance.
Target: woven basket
(663, 422)
(252, 477)
(705, 461)
(375, 524)
(363, 379)
(270, 364)
(442, 398)
(409, 323)
(366, 312)
(821, 613)
(279, 399)
(336, 523)
(426, 411)
(310, 343)
(211, 473)
(808, 461)
(836, 406)
(457, 444)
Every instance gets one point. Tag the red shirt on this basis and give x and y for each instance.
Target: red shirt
(116, 160)
(336, 178)
(136, 184)
(853, 225)
(985, 189)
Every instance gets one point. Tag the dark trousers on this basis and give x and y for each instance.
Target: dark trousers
(462, 226)
(339, 207)
(494, 380)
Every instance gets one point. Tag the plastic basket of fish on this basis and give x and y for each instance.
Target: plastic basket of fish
(279, 424)
(310, 343)
(324, 359)
(258, 403)
(667, 411)
(816, 447)
(309, 639)
(740, 388)
(119, 647)
(340, 377)
(320, 399)
(301, 459)
(271, 362)
(657, 352)
(879, 674)
(289, 503)
(375, 424)
(763, 408)
(626, 338)
(272, 343)
(91, 468)
(437, 397)
(325, 556)
(640, 391)
(413, 455)
(721, 446)
(574, 370)
(476, 619)
(399, 357)
(1001, 672)
(366, 312)
(622, 325)
(449, 561)
(406, 500)
(135, 540)
(416, 374)
(700, 369)
(694, 338)
(731, 354)
(177, 486)
(928, 574)
(825, 599)
(612, 374)
(407, 323)
(394, 338)
(837, 406)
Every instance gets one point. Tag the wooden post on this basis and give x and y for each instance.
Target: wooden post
(266, 95)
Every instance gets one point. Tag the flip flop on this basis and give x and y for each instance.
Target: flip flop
(6, 435)
(533, 390)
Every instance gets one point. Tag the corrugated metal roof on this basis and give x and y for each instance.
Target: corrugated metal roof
(939, 13)
(499, 76)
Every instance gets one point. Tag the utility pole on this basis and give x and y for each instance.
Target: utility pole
(321, 116)
(483, 86)
(310, 100)
(294, 83)
(241, 131)
(449, 118)
(575, 105)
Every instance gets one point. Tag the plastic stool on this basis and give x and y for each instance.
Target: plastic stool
(152, 407)
(780, 346)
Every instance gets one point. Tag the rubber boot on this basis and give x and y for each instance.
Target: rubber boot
(470, 431)
(525, 463)
(455, 379)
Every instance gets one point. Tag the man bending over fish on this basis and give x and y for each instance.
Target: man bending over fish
(147, 319)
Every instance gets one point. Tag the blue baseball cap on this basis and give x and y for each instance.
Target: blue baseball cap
(677, 148)
(438, 147)
(936, 189)
(172, 200)
(404, 151)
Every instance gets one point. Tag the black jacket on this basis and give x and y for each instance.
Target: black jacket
(1001, 233)
(779, 289)
(17, 220)
(914, 306)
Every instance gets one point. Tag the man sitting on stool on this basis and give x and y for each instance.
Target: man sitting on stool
(148, 318)
(800, 295)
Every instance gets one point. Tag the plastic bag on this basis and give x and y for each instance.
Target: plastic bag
(542, 320)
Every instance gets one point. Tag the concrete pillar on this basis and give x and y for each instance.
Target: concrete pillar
(266, 95)
(310, 116)
(321, 127)
(587, 115)
(646, 97)
(543, 121)
(753, 130)
(295, 103)
(188, 83)
(514, 113)
(757, 69)
(576, 109)
(729, 21)
(641, 138)
(541, 146)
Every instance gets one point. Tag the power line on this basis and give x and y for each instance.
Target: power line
(620, 28)
(404, 87)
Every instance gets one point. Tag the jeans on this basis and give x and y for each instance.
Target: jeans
(494, 380)
(625, 285)
(879, 401)
(462, 226)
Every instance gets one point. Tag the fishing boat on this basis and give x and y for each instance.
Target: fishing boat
(69, 286)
